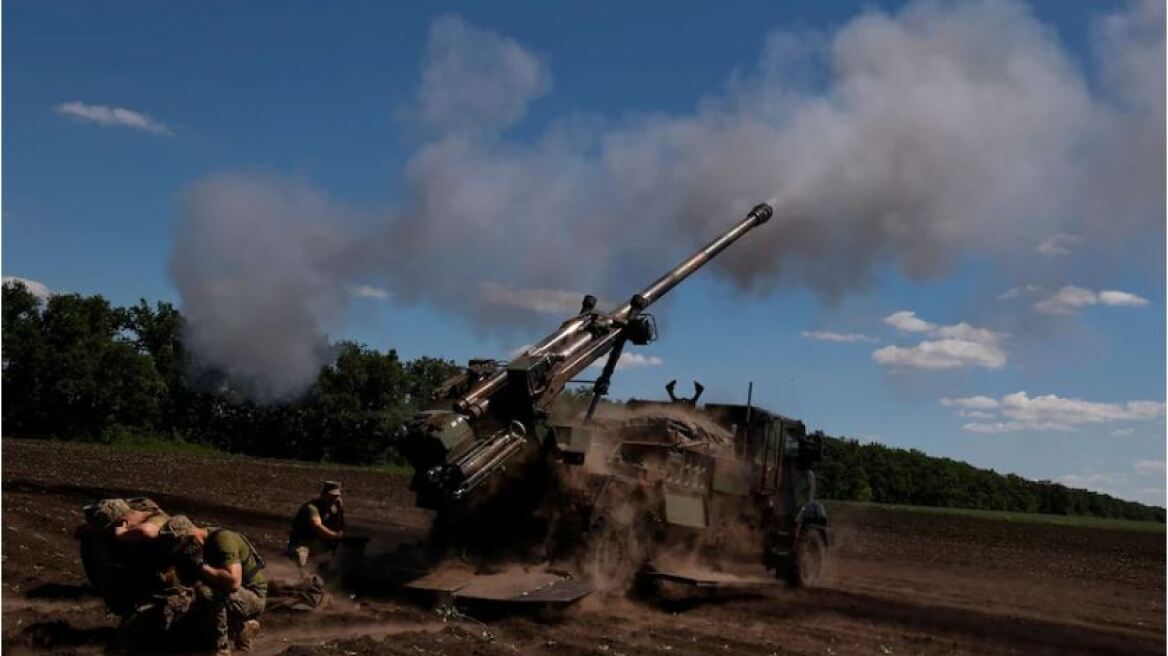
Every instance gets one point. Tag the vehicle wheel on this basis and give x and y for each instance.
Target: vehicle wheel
(805, 567)
(617, 550)
(608, 550)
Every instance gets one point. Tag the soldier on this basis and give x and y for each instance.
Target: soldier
(228, 576)
(318, 526)
(143, 521)
(119, 550)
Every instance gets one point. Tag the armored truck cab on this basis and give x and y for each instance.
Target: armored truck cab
(725, 482)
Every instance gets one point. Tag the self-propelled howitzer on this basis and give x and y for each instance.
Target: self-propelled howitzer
(491, 414)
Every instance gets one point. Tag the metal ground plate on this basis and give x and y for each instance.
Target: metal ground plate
(514, 587)
(715, 580)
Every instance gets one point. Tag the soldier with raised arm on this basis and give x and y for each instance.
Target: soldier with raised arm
(120, 551)
(318, 526)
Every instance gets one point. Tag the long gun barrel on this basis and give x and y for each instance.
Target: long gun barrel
(578, 347)
(454, 450)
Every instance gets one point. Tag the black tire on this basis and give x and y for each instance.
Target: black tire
(617, 552)
(805, 566)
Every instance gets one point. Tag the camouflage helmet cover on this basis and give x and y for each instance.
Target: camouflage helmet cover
(108, 512)
(178, 526)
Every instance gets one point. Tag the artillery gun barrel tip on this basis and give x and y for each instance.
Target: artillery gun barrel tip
(763, 212)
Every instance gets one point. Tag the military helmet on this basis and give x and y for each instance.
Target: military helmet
(178, 526)
(331, 487)
(144, 504)
(108, 512)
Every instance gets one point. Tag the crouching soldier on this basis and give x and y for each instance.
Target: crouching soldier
(318, 526)
(228, 575)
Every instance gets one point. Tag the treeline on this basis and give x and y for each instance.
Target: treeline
(78, 367)
(852, 471)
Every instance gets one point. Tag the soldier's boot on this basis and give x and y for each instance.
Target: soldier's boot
(247, 635)
(222, 632)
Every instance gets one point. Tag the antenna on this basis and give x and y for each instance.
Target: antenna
(746, 437)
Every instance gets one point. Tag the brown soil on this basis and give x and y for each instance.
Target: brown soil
(899, 583)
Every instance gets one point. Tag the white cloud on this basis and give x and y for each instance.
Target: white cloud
(1021, 290)
(955, 346)
(1048, 412)
(632, 360)
(38, 289)
(908, 321)
(829, 336)
(544, 301)
(971, 402)
(1151, 495)
(629, 360)
(1070, 299)
(975, 414)
(1000, 427)
(1121, 432)
(370, 292)
(1050, 408)
(111, 116)
(1111, 297)
(1149, 467)
(1067, 300)
(1095, 480)
(942, 354)
(968, 333)
(1059, 244)
(1130, 484)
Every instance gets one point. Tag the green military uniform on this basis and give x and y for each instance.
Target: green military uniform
(226, 612)
(229, 611)
(225, 548)
(304, 541)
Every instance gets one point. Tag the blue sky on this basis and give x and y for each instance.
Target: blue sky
(306, 101)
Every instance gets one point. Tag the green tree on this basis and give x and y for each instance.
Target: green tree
(425, 374)
(73, 369)
(78, 368)
(25, 359)
(360, 401)
(158, 333)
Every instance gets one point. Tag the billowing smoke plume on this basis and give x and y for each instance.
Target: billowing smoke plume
(904, 140)
(257, 263)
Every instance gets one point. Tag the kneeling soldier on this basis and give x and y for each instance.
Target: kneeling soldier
(319, 525)
(229, 576)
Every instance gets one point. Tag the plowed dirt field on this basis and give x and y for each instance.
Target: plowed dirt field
(899, 582)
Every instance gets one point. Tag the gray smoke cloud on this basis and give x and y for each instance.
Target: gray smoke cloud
(906, 139)
(473, 79)
(257, 262)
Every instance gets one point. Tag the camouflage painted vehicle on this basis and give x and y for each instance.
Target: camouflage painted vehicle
(511, 478)
(716, 487)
